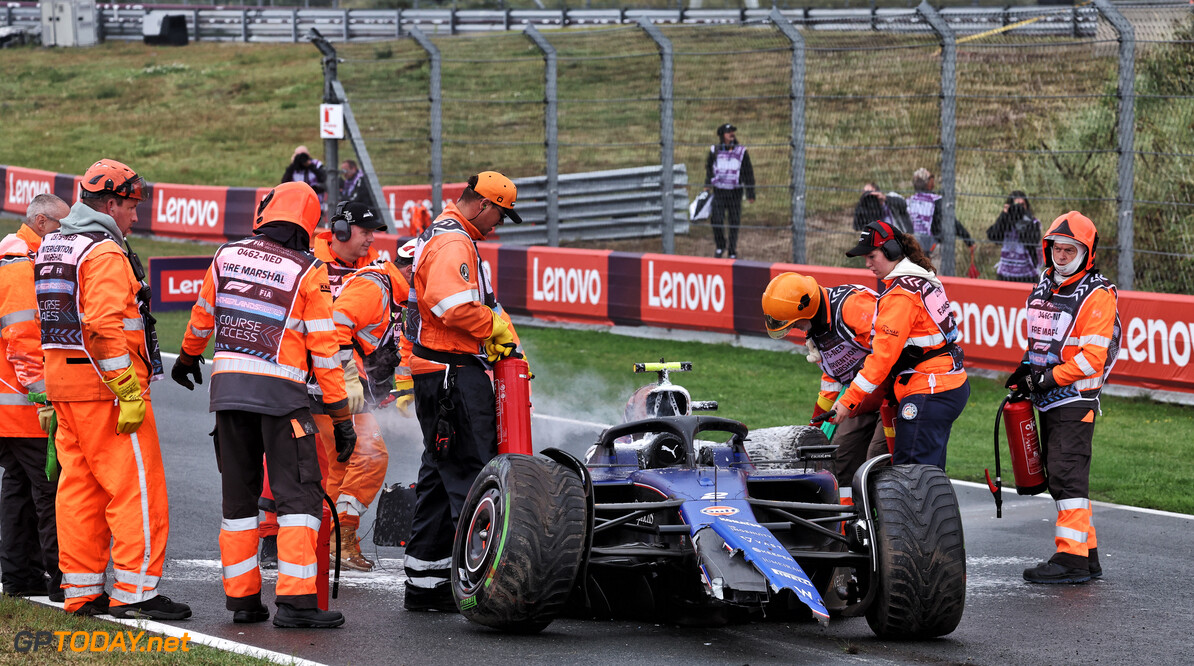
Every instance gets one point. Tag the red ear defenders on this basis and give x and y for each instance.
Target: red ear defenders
(883, 236)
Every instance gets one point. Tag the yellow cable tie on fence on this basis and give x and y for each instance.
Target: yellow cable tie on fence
(1010, 26)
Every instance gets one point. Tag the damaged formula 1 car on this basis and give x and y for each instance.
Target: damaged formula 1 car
(670, 518)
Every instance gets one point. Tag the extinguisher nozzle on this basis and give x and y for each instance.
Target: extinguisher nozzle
(996, 489)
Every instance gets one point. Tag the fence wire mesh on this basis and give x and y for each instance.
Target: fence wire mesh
(1036, 111)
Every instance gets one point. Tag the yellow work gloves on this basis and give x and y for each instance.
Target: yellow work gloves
(352, 384)
(500, 343)
(132, 407)
(404, 389)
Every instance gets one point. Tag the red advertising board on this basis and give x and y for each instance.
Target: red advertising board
(402, 199)
(21, 185)
(687, 292)
(189, 211)
(568, 284)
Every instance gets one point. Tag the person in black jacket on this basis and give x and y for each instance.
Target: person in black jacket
(1020, 232)
(874, 205)
(727, 172)
(306, 169)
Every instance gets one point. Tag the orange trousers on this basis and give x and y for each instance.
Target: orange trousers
(111, 503)
(355, 484)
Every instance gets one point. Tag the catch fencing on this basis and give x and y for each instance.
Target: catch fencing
(1085, 108)
(1088, 118)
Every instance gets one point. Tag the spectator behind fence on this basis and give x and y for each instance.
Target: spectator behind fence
(924, 210)
(875, 205)
(306, 169)
(727, 172)
(352, 184)
(1020, 232)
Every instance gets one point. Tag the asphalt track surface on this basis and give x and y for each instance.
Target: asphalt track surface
(1141, 612)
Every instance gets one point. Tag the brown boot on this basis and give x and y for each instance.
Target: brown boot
(350, 545)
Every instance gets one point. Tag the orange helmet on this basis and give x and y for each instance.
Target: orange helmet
(293, 202)
(112, 177)
(1077, 227)
(789, 298)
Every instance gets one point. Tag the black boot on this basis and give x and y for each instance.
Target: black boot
(269, 552)
(1059, 569)
(157, 608)
(1092, 562)
(437, 598)
(97, 606)
(249, 616)
(306, 618)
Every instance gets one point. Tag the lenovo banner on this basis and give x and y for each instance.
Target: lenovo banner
(21, 185)
(402, 200)
(176, 281)
(189, 211)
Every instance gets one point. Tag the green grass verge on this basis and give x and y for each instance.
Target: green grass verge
(20, 615)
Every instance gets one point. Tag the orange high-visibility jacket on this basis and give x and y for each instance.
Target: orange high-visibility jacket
(21, 358)
(363, 310)
(454, 296)
(851, 313)
(272, 378)
(338, 269)
(901, 320)
(97, 334)
(1074, 329)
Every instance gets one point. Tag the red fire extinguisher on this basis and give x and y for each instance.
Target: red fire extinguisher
(1028, 464)
(512, 389)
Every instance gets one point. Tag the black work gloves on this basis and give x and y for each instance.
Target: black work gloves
(187, 366)
(1040, 382)
(346, 439)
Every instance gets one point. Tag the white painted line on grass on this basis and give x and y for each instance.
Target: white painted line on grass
(203, 639)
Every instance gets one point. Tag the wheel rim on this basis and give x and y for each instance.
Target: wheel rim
(479, 540)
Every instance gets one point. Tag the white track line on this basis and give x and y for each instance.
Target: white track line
(203, 639)
(1109, 505)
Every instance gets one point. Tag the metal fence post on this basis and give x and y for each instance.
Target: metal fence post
(667, 180)
(437, 133)
(244, 24)
(195, 20)
(294, 31)
(331, 147)
(1126, 129)
(551, 133)
(949, 139)
(796, 140)
(398, 23)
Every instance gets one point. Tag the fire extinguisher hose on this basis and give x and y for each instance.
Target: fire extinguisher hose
(997, 487)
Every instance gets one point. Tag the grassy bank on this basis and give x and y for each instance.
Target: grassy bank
(20, 615)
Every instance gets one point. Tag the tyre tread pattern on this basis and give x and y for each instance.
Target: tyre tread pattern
(922, 553)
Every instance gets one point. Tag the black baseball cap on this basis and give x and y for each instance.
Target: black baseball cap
(358, 214)
(873, 236)
(726, 128)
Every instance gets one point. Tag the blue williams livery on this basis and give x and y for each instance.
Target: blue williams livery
(691, 519)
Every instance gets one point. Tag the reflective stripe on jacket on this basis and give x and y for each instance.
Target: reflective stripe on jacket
(903, 320)
(454, 299)
(846, 343)
(91, 325)
(1075, 330)
(21, 359)
(269, 310)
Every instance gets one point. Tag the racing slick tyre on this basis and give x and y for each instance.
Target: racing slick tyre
(921, 553)
(776, 448)
(519, 543)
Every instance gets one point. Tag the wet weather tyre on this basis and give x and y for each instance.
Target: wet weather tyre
(519, 543)
(921, 553)
(776, 448)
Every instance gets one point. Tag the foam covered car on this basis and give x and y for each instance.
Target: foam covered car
(670, 518)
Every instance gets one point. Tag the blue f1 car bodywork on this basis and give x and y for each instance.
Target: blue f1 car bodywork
(670, 518)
